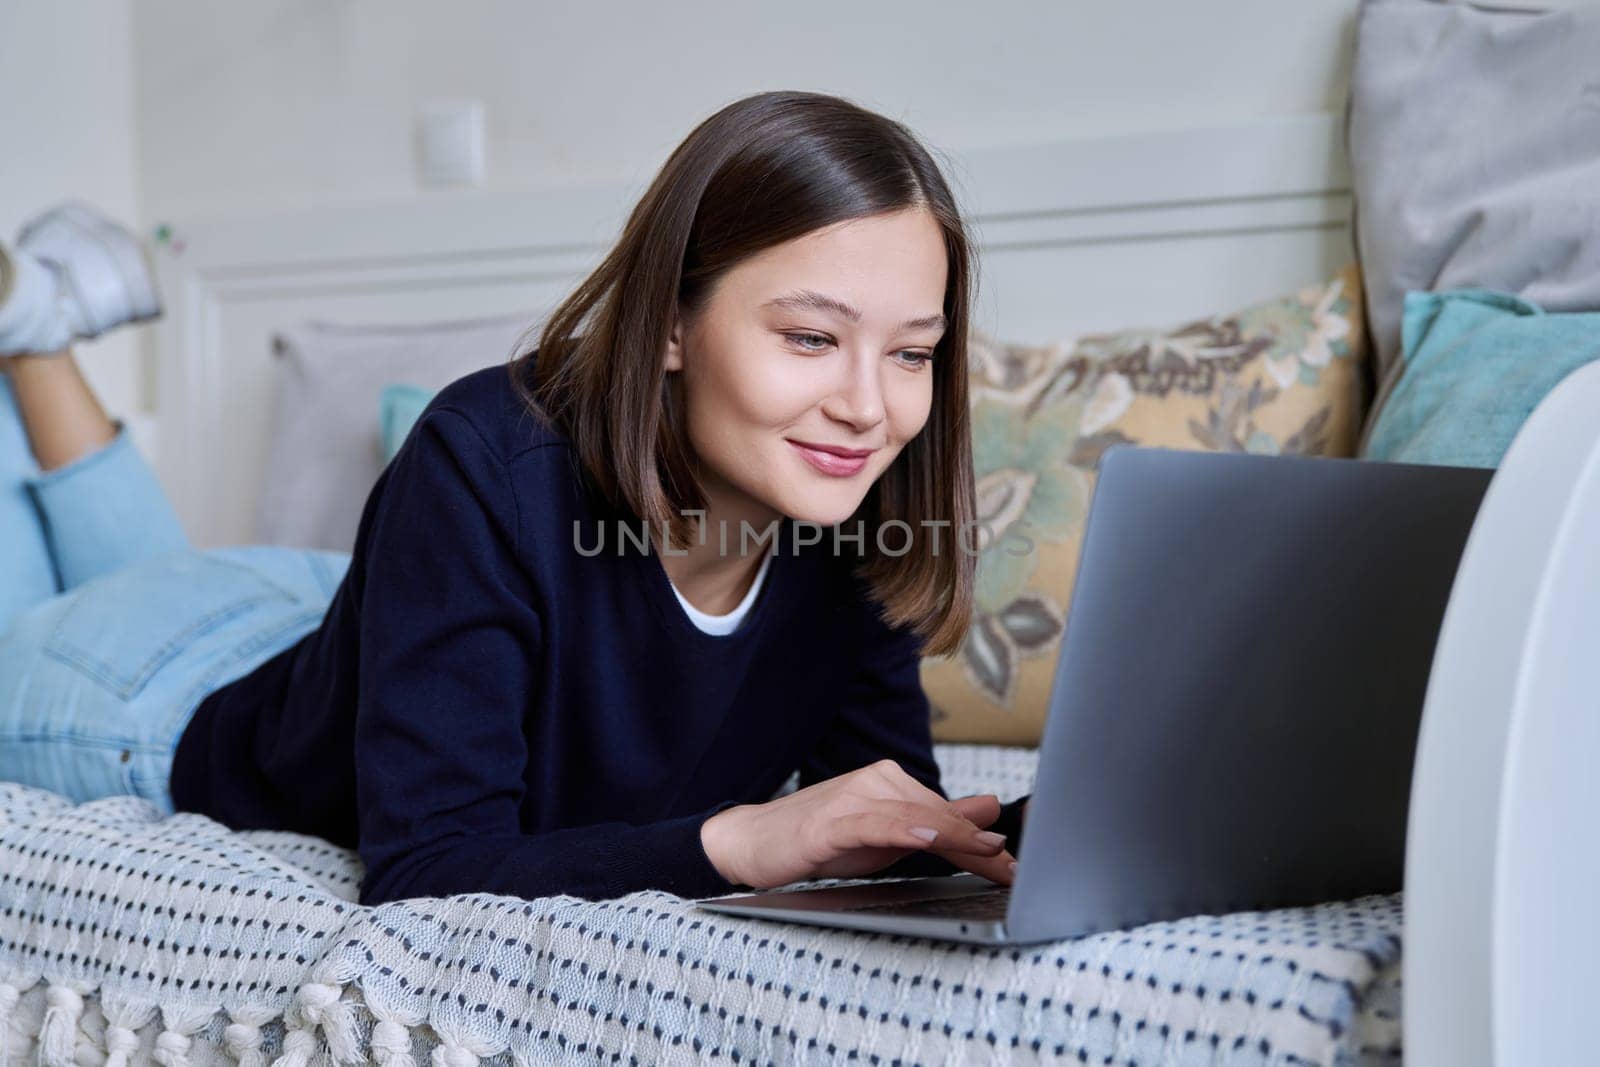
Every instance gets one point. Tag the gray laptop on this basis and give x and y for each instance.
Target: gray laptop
(1235, 707)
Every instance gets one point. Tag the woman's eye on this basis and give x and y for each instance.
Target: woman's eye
(920, 358)
(816, 342)
(800, 339)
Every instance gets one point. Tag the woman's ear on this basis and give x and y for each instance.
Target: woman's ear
(675, 343)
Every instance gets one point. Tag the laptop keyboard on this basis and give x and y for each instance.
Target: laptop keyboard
(987, 905)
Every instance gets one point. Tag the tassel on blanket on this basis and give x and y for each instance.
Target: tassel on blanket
(300, 1044)
(450, 1054)
(299, 1048)
(320, 1006)
(124, 1019)
(121, 1044)
(58, 1034)
(172, 1049)
(172, 1045)
(242, 1036)
(391, 1044)
(11, 991)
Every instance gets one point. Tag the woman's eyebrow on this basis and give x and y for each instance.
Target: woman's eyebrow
(811, 300)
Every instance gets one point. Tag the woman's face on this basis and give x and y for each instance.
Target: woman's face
(822, 342)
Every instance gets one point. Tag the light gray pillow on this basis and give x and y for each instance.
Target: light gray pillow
(1474, 143)
(326, 449)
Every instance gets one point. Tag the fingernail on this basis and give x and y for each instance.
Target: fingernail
(1013, 867)
(989, 837)
(927, 833)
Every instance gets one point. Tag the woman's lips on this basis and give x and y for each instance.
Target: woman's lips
(828, 463)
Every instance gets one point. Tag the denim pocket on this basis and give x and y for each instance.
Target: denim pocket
(123, 627)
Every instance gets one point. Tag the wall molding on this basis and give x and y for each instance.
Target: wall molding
(462, 254)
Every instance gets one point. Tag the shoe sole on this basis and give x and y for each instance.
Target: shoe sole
(122, 251)
(128, 256)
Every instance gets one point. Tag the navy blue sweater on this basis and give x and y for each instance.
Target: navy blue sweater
(486, 708)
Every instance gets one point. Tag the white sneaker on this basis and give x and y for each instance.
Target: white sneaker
(72, 274)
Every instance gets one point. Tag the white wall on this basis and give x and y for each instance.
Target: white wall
(275, 103)
(173, 110)
(68, 128)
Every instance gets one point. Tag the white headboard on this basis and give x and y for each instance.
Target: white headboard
(1149, 229)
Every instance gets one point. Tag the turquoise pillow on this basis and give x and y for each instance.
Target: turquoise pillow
(399, 407)
(1477, 362)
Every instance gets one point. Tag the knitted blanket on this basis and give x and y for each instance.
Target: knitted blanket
(130, 938)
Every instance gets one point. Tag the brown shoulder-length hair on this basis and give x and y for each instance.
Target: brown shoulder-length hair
(764, 170)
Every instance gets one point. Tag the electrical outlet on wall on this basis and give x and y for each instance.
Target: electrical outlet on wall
(450, 143)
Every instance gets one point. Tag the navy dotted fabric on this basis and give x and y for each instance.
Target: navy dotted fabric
(176, 940)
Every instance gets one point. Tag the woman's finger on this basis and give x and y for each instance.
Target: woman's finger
(981, 809)
(906, 824)
(999, 868)
(874, 829)
(956, 831)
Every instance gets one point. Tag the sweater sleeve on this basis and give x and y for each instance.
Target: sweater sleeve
(885, 713)
(449, 650)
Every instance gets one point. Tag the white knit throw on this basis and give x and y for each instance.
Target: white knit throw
(129, 938)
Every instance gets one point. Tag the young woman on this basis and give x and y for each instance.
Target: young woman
(607, 597)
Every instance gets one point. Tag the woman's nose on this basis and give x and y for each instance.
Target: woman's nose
(858, 397)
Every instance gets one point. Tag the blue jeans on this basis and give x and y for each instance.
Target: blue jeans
(113, 627)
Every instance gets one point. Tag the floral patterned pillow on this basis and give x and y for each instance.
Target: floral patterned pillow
(1280, 377)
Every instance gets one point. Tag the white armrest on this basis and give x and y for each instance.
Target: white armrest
(1502, 849)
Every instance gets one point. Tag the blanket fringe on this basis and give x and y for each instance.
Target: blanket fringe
(124, 1018)
(391, 1044)
(319, 1005)
(172, 1044)
(58, 1035)
(242, 1036)
(450, 1054)
(121, 1043)
(299, 1047)
(11, 991)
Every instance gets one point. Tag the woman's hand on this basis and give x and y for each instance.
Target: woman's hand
(853, 825)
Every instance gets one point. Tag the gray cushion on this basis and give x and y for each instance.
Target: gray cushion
(326, 449)
(1474, 142)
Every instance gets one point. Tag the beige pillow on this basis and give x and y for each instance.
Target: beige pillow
(1284, 376)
